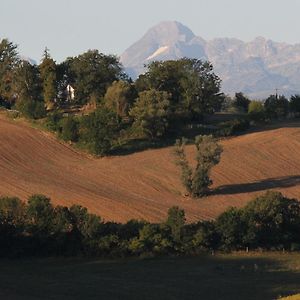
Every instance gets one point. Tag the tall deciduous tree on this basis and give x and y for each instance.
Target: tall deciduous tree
(176, 220)
(28, 89)
(208, 154)
(192, 84)
(241, 102)
(8, 62)
(92, 73)
(49, 79)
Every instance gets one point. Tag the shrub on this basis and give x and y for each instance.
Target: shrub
(99, 130)
(31, 109)
(256, 111)
(53, 121)
(69, 129)
(233, 127)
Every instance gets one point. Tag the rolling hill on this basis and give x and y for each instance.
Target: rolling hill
(144, 185)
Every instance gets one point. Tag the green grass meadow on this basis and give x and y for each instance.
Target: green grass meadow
(253, 276)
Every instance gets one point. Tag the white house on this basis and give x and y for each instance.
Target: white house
(70, 93)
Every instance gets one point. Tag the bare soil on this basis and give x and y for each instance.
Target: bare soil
(145, 185)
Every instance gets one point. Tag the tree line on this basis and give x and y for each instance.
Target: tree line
(106, 110)
(111, 108)
(37, 228)
(272, 108)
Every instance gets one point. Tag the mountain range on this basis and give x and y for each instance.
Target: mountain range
(256, 68)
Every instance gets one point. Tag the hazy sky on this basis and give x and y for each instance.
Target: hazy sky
(70, 27)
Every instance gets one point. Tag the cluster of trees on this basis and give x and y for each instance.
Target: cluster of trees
(270, 221)
(274, 107)
(22, 82)
(169, 94)
(109, 110)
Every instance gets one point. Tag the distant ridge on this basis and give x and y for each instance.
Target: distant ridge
(30, 60)
(256, 68)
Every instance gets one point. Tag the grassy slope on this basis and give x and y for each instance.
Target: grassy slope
(145, 184)
(295, 297)
(266, 276)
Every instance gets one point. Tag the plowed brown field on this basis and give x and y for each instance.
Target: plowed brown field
(144, 185)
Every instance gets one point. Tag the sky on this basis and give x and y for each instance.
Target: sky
(70, 27)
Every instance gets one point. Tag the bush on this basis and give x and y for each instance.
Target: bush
(256, 111)
(31, 109)
(53, 121)
(69, 129)
(233, 127)
(99, 130)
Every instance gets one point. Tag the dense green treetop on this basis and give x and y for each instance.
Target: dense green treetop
(49, 79)
(8, 62)
(119, 97)
(192, 84)
(150, 112)
(92, 73)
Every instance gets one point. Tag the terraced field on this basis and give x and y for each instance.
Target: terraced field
(145, 184)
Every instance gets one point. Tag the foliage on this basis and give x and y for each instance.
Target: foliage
(241, 102)
(92, 72)
(256, 111)
(31, 109)
(276, 106)
(98, 131)
(176, 220)
(295, 104)
(272, 212)
(193, 87)
(206, 237)
(119, 97)
(53, 120)
(231, 229)
(40, 214)
(48, 76)
(270, 221)
(28, 90)
(150, 113)
(182, 162)
(87, 224)
(69, 129)
(12, 211)
(208, 154)
(8, 63)
(232, 127)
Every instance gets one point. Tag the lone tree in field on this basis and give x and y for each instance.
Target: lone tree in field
(208, 153)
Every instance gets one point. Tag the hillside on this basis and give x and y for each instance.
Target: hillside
(257, 67)
(145, 184)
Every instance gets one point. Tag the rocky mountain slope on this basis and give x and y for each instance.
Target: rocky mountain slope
(256, 68)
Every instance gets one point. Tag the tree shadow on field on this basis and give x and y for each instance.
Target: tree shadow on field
(266, 184)
(264, 276)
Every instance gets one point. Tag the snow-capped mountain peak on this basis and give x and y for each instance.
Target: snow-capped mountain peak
(256, 68)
